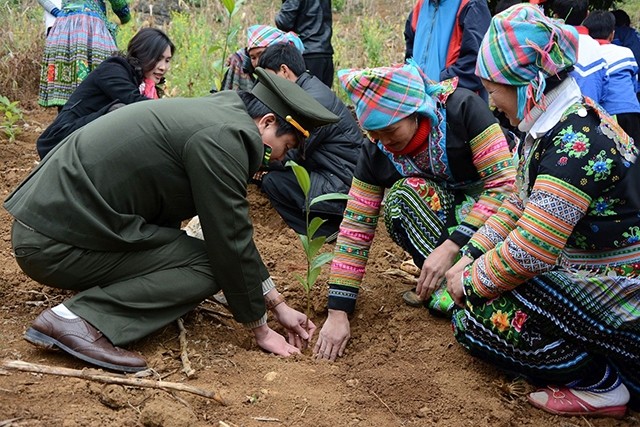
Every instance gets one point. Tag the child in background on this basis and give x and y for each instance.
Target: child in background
(620, 98)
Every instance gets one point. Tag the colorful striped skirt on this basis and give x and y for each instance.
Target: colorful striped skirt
(76, 44)
(558, 327)
(419, 214)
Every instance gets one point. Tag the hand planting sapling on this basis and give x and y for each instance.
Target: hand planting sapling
(310, 243)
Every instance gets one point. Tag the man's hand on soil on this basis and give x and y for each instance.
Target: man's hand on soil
(273, 342)
(299, 328)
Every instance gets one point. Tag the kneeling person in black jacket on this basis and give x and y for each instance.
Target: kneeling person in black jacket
(329, 153)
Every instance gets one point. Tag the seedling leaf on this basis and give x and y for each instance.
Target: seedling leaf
(229, 5)
(321, 260)
(313, 276)
(315, 246)
(301, 279)
(304, 181)
(305, 242)
(314, 225)
(329, 196)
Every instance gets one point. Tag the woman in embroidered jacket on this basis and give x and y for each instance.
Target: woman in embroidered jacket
(549, 284)
(447, 164)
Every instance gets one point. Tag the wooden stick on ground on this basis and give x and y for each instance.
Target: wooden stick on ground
(184, 357)
(110, 379)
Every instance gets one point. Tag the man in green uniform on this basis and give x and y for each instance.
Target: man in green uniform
(101, 214)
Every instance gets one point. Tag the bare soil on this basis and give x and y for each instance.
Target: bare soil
(402, 366)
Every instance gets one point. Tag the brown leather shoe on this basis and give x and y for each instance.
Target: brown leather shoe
(80, 339)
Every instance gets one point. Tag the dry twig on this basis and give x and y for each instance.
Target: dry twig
(387, 406)
(215, 312)
(512, 390)
(267, 419)
(184, 356)
(410, 267)
(407, 277)
(99, 376)
(9, 422)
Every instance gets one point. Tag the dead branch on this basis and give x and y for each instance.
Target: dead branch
(215, 312)
(98, 376)
(9, 422)
(409, 278)
(184, 356)
(410, 267)
(267, 419)
(387, 406)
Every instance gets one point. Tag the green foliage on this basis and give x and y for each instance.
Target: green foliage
(310, 243)
(21, 43)
(373, 40)
(10, 115)
(202, 46)
(232, 7)
(200, 31)
(338, 5)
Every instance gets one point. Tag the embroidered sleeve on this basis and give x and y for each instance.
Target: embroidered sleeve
(494, 163)
(578, 162)
(495, 229)
(532, 248)
(352, 248)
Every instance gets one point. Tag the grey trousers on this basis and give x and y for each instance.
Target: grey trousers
(125, 295)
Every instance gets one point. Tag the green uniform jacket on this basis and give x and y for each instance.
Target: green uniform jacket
(127, 180)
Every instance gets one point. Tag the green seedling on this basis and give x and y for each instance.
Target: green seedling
(231, 32)
(310, 242)
(10, 114)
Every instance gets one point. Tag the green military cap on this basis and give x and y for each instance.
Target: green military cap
(291, 102)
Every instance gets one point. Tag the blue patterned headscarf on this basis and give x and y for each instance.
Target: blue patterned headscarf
(385, 95)
(522, 48)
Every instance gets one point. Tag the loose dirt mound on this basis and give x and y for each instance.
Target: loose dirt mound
(402, 367)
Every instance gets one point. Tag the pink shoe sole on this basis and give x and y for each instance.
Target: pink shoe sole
(561, 401)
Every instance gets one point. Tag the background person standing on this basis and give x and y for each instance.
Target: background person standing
(312, 21)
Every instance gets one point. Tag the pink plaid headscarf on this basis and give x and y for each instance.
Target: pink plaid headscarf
(385, 95)
(265, 36)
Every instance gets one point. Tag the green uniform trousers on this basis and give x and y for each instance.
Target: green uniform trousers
(125, 295)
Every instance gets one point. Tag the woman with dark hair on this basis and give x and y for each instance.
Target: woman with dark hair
(550, 285)
(118, 81)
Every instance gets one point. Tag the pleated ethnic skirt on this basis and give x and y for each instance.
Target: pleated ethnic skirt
(76, 44)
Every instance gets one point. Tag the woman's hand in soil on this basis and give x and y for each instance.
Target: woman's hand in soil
(299, 328)
(454, 280)
(334, 336)
(273, 342)
(435, 267)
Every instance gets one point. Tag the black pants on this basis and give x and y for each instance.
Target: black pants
(320, 66)
(287, 198)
